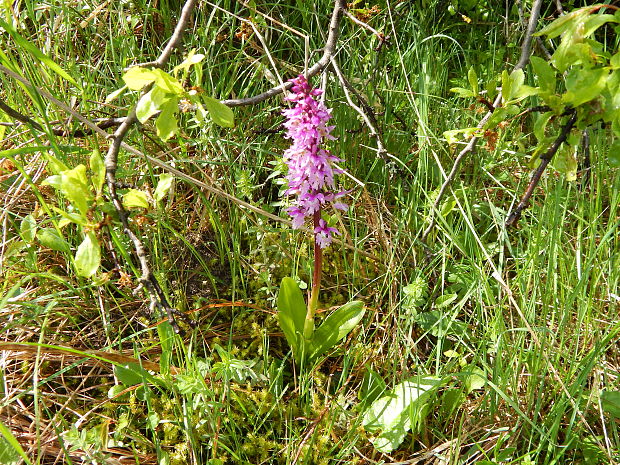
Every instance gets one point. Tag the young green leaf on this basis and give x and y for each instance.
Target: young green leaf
(545, 74)
(220, 113)
(135, 199)
(163, 186)
(98, 169)
(74, 185)
(462, 92)
(88, 256)
(335, 327)
(472, 77)
(583, 85)
(151, 103)
(136, 78)
(166, 122)
(475, 378)
(49, 237)
(192, 58)
(28, 228)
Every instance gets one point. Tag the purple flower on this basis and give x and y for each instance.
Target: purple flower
(311, 168)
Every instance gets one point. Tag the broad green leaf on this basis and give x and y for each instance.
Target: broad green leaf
(545, 74)
(35, 52)
(583, 85)
(136, 78)
(472, 77)
(610, 401)
(220, 113)
(55, 181)
(98, 169)
(570, 52)
(163, 186)
(88, 256)
(115, 390)
(150, 103)
(462, 92)
(501, 114)
(49, 237)
(131, 374)
(292, 314)
(28, 228)
(74, 186)
(167, 83)
(394, 414)
(335, 327)
(475, 378)
(593, 22)
(135, 199)
(166, 122)
(193, 58)
(615, 61)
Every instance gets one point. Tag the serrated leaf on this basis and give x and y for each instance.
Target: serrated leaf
(49, 237)
(163, 186)
(335, 327)
(393, 414)
(28, 228)
(98, 169)
(166, 122)
(136, 78)
(220, 113)
(88, 256)
(292, 315)
(135, 199)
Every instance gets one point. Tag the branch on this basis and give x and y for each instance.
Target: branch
(526, 47)
(328, 52)
(544, 161)
(367, 113)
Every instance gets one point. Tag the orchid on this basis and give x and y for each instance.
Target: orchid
(311, 167)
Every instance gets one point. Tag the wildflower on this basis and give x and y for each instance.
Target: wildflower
(311, 167)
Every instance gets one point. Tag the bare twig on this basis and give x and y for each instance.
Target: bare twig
(366, 113)
(328, 52)
(103, 123)
(176, 38)
(526, 47)
(544, 161)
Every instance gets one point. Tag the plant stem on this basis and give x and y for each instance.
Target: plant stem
(313, 301)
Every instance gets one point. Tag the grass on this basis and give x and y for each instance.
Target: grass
(88, 376)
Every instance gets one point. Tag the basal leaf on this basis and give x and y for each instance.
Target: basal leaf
(335, 327)
(292, 314)
(220, 113)
(393, 414)
(88, 256)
